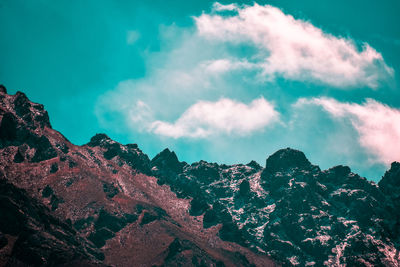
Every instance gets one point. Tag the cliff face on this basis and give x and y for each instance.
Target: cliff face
(105, 203)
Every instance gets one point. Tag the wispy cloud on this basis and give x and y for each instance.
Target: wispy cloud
(294, 48)
(224, 116)
(219, 7)
(132, 37)
(377, 124)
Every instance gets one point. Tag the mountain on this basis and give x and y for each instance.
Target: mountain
(108, 204)
(97, 203)
(293, 211)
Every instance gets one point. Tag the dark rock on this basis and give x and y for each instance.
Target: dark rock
(3, 240)
(174, 248)
(13, 133)
(390, 186)
(210, 218)
(110, 189)
(44, 150)
(137, 160)
(12, 220)
(8, 127)
(105, 226)
(230, 232)
(54, 167)
(18, 158)
(83, 223)
(72, 164)
(43, 119)
(148, 218)
(132, 146)
(69, 182)
(100, 237)
(340, 171)
(3, 89)
(167, 160)
(109, 221)
(63, 147)
(55, 201)
(244, 188)
(204, 171)
(391, 179)
(22, 105)
(132, 155)
(38, 235)
(130, 218)
(286, 159)
(198, 206)
(254, 165)
(112, 151)
(99, 140)
(47, 192)
(38, 107)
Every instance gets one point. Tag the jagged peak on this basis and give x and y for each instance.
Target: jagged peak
(26, 111)
(167, 158)
(391, 176)
(166, 154)
(203, 163)
(21, 95)
(133, 146)
(395, 166)
(340, 170)
(338, 174)
(287, 158)
(254, 164)
(99, 139)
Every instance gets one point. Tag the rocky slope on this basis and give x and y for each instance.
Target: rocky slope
(93, 204)
(291, 210)
(115, 206)
(30, 234)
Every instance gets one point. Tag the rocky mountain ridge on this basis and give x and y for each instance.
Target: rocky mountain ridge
(114, 206)
(101, 204)
(291, 210)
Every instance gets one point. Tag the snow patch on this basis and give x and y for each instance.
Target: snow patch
(294, 260)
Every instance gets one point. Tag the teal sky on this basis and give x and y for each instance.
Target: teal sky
(91, 63)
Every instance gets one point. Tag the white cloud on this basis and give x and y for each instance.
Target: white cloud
(139, 113)
(225, 116)
(203, 62)
(378, 125)
(295, 48)
(220, 66)
(232, 56)
(219, 7)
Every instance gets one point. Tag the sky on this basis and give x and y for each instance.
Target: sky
(226, 82)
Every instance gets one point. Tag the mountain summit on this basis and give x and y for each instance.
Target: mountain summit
(108, 204)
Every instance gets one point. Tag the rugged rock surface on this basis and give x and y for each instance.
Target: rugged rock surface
(108, 203)
(31, 235)
(291, 210)
(93, 204)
